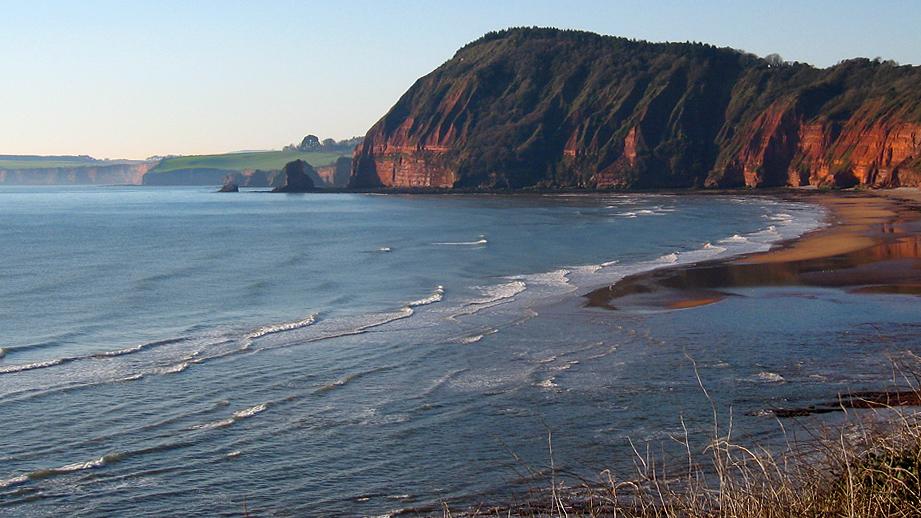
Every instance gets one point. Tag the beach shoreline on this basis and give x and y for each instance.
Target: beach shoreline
(872, 244)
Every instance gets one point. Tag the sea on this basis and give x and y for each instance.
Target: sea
(174, 351)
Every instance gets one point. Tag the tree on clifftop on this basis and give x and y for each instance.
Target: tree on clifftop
(310, 143)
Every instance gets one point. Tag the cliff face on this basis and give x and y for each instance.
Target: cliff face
(784, 148)
(549, 108)
(255, 178)
(121, 174)
(335, 175)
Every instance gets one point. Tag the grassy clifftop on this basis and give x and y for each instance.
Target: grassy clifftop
(265, 160)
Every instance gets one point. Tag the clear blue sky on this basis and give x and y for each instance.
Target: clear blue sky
(130, 79)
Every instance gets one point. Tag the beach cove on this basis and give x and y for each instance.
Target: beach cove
(357, 355)
(870, 246)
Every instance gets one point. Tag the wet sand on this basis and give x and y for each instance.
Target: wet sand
(872, 245)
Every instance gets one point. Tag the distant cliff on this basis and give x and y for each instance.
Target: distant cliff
(116, 174)
(251, 169)
(548, 108)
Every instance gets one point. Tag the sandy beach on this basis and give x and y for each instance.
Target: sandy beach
(871, 245)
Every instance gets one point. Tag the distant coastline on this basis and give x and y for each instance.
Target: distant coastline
(210, 170)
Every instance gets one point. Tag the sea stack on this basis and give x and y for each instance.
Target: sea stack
(297, 178)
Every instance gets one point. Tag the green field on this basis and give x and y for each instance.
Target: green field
(265, 160)
(16, 162)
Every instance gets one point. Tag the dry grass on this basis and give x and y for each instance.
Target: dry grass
(869, 468)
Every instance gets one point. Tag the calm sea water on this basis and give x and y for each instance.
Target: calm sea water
(174, 351)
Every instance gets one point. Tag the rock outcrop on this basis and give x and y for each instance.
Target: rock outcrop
(548, 108)
(297, 177)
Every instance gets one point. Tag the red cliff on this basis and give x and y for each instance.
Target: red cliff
(546, 108)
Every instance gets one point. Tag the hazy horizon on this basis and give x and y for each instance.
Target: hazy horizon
(130, 81)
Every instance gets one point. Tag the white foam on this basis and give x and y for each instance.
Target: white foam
(770, 377)
(671, 258)
(436, 296)
(120, 352)
(734, 239)
(548, 383)
(249, 412)
(783, 217)
(480, 241)
(476, 338)
(499, 292)
(214, 424)
(31, 366)
(173, 369)
(555, 278)
(277, 328)
(14, 481)
(80, 466)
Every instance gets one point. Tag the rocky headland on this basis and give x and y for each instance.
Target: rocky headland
(548, 108)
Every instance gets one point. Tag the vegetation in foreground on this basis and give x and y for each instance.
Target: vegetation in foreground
(870, 468)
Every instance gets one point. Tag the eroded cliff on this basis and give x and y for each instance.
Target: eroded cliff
(119, 174)
(548, 108)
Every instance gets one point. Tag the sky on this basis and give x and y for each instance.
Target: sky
(134, 79)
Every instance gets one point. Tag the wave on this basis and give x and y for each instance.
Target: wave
(236, 416)
(491, 296)
(173, 369)
(481, 240)
(770, 377)
(8, 369)
(40, 474)
(223, 423)
(30, 347)
(734, 239)
(499, 292)
(548, 383)
(249, 412)
(474, 338)
(277, 328)
(335, 384)
(436, 296)
(593, 268)
(135, 349)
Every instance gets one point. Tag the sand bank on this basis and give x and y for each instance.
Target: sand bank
(872, 245)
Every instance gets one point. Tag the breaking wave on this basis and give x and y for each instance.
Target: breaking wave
(481, 240)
